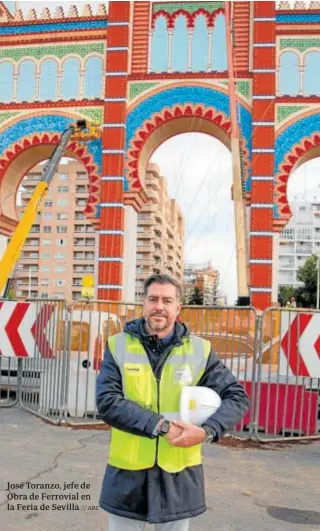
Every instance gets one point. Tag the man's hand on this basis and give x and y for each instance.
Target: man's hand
(190, 435)
(173, 433)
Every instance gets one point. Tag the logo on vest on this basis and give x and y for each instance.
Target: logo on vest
(133, 369)
(183, 375)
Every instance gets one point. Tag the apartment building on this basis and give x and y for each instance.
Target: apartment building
(61, 247)
(160, 233)
(204, 277)
(299, 240)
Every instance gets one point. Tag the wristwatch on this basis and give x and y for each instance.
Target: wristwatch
(164, 428)
(212, 435)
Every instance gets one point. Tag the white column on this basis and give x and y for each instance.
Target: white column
(190, 34)
(59, 84)
(170, 35)
(15, 86)
(37, 87)
(301, 78)
(81, 83)
(210, 32)
(129, 254)
(150, 50)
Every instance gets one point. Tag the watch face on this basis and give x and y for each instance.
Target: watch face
(165, 426)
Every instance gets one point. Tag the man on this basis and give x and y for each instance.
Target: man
(154, 472)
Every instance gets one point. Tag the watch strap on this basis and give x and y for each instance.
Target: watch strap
(211, 433)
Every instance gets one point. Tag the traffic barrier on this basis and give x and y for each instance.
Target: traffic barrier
(275, 355)
(91, 323)
(44, 372)
(288, 376)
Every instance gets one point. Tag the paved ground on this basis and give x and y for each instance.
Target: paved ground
(247, 489)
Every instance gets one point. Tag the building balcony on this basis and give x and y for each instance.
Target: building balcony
(145, 248)
(83, 257)
(286, 251)
(34, 245)
(144, 261)
(24, 273)
(152, 181)
(286, 266)
(304, 250)
(142, 275)
(29, 257)
(148, 208)
(81, 272)
(146, 235)
(21, 283)
(154, 196)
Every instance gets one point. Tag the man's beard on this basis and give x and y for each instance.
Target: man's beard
(157, 327)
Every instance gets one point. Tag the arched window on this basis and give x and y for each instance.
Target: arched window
(70, 78)
(93, 78)
(289, 74)
(219, 45)
(159, 46)
(6, 81)
(26, 80)
(48, 80)
(180, 45)
(200, 45)
(312, 74)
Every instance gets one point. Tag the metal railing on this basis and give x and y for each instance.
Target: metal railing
(288, 376)
(58, 382)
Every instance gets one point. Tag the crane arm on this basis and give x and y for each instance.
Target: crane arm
(18, 239)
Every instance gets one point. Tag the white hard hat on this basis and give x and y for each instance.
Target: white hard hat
(197, 404)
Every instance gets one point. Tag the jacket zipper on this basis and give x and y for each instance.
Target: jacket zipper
(158, 408)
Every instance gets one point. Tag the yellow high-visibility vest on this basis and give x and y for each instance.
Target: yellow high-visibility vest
(185, 365)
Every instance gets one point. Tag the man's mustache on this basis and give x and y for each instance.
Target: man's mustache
(158, 315)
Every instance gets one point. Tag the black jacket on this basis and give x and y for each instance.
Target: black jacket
(154, 494)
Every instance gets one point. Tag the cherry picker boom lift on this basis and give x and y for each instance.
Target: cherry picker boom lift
(77, 131)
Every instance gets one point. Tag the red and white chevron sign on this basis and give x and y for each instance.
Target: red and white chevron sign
(23, 329)
(300, 344)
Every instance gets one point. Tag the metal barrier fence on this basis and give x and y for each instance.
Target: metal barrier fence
(58, 382)
(288, 376)
(34, 359)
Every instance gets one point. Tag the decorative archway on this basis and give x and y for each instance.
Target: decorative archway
(307, 149)
(190, 17)
(170, 122)
(293, 149)
(23, 155)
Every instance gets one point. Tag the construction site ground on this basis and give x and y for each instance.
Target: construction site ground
(249, 486)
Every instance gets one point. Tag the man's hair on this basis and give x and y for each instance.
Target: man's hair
(162, 279)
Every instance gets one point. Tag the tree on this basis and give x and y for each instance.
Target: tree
(306, 295)
(285, 292)
(196, 297)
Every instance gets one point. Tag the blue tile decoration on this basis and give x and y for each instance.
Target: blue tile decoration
(181, 96)
(292, 136)
(298, 18)
(53, 27)
(51, 123)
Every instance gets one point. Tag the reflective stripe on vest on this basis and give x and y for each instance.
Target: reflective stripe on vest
(184, 366)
